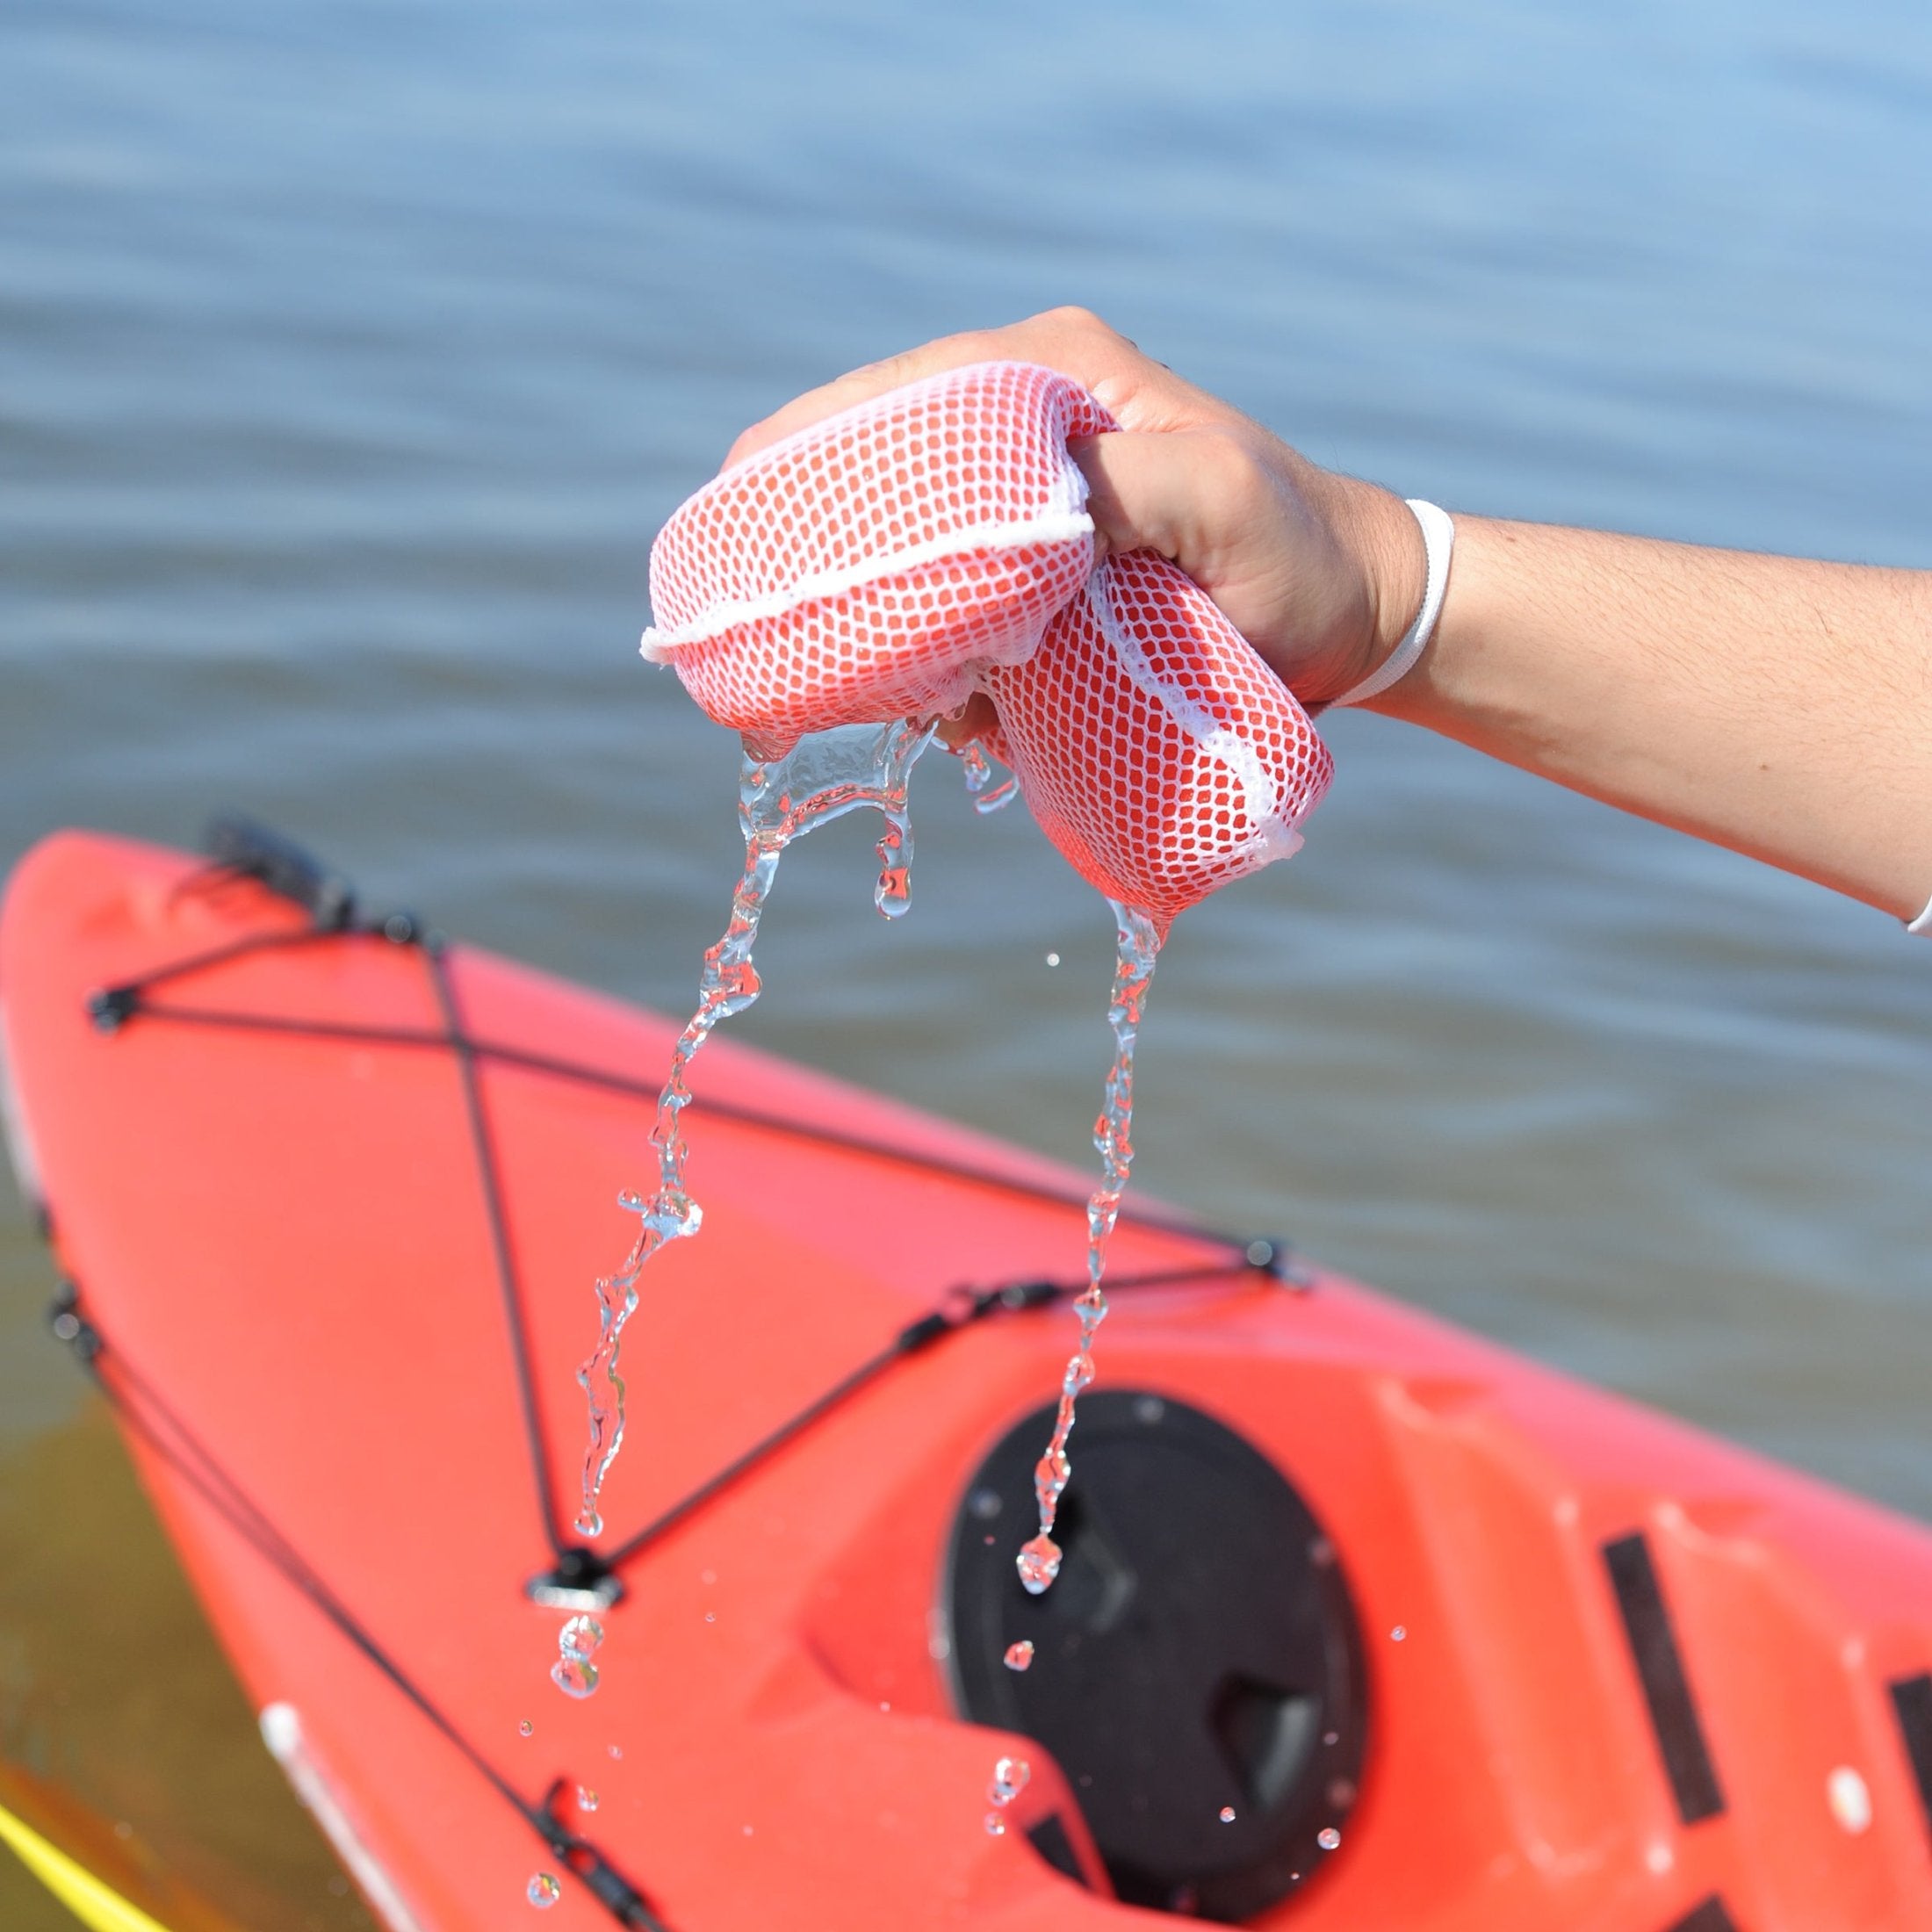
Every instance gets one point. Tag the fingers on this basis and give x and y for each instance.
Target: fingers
(972, 722)
(1181, 492)
(1135, 390)
(862, 384)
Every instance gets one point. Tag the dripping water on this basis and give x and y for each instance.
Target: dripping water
(989, 792)
(1011, 1777)
(823, 777)
(1138, 946)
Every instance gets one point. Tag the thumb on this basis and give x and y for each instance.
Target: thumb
(1155, 490)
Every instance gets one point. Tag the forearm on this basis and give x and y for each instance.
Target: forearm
(1779, 707)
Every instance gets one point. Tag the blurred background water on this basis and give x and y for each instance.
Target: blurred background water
(350, 355)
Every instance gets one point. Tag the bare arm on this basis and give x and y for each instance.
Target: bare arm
(1779, 707)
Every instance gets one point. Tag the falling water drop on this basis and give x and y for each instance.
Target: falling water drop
(574, 1677)
(1138, 948)
(526, 1727)
(980, 774)
(1328, 1838)
(586, 1799)
(1019, 1655)
(1011, 1777)
(581, 1637)
(543, 1891)
(1227, 1814)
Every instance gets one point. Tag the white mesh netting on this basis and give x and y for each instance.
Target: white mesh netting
(892, 560)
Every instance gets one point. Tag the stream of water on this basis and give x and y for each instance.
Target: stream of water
(823, 777)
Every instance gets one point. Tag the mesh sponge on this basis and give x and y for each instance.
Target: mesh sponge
(1152, 743)
(892, 561)
(867, 568)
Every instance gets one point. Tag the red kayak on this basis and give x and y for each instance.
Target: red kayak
(1363, 1622)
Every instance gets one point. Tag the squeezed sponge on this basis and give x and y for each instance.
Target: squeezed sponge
(892, 560)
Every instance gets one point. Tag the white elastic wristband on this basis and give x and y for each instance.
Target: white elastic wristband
(1921, 926)
(1439, 537)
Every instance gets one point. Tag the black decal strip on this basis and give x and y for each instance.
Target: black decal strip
(1708, 1917)
(1912, 1703)
(1666, 1690)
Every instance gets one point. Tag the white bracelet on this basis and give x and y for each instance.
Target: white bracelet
(1439, 537)
(1922, 925)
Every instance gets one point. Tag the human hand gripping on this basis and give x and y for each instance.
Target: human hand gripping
(1322, 573)
(1775, 705)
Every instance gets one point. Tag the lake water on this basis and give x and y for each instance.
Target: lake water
(350, 355)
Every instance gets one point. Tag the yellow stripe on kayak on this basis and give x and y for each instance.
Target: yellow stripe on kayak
(94, 1904)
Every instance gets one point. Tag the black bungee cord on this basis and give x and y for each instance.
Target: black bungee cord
(581, 1577)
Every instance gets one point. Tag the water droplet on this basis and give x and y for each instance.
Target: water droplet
(1331, 1737)
(581, 1637)
(526, 1727)
(1011, 1777)
(1053, 959)
(1227, 1814)
(996, 1824)
(543, 1891)
(1396, 1635)
(1019, 1655)
(1038, 1563)
(617, 1750)
(574, 1677)
(1328, 1838)
(1849, 1798)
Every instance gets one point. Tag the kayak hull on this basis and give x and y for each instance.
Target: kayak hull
(1640, 1674)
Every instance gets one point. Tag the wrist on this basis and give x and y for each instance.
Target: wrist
(1378, 534)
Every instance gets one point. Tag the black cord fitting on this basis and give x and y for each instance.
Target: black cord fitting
(256, 851)
(111, 1007)
(928, 1329)
(69, 1326)
(1030, 1295)
(591, 1869)
(580, 1580)
(1276, 1259)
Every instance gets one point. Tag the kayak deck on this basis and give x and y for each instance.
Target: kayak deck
(332, 1203)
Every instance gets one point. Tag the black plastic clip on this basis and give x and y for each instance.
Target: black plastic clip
(70, 1326)
(591, 1869)
(580, 1580)
(111, 1007)
(1275, 1258)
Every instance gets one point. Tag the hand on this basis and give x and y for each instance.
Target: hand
(1320, 573)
